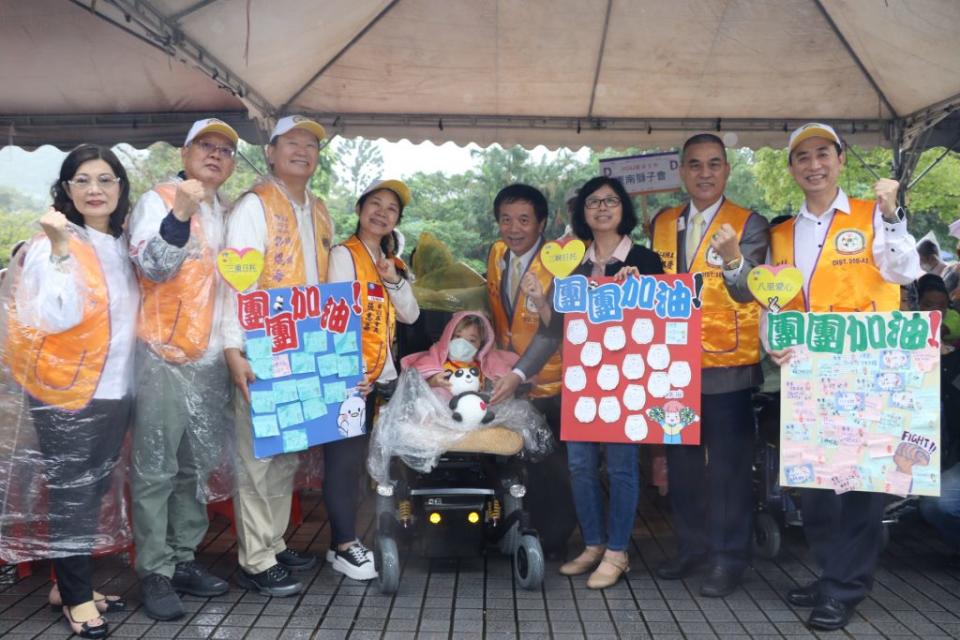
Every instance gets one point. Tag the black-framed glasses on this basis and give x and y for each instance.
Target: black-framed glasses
(609, 202)
(222, 150)
(104, 181)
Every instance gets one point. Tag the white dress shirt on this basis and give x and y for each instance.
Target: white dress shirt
(161, 261)
(341, 269)
(247, 228)
(51, 298)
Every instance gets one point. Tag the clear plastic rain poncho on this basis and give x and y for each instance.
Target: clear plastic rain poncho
(442, 283)
(64, 410)
(184, 419)
(418, 427)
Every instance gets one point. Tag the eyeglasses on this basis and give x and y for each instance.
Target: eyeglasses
(609, 202)
(104, 181)
(221, 150)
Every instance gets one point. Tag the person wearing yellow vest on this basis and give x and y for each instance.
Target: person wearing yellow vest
(280, 218)
(70, 336)
(182, 429)
(853, 254)
(370, 256)
(710, 485)
(513, 270)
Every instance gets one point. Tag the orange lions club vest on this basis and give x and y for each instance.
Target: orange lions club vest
(63, 369)
(379, 318)
(176, 316)
(730, 330)
(845, 277)
(516, 335)
(283, 258)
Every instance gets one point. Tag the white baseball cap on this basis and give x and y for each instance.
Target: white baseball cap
(289, 123)
(211, 125)
(397, 186)
(812, 130)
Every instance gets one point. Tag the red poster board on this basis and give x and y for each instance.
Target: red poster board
(631, 359)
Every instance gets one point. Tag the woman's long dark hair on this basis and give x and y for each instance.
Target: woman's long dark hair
(62, 201)
(388, 243)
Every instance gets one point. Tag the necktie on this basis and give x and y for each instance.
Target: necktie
(694, 234)
(516, 273)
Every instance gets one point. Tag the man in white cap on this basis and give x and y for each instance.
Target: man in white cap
(181, 420)
(853, 254)
(291, 227)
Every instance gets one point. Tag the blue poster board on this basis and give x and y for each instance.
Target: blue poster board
(304, 346)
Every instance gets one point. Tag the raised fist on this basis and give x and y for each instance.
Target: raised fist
(886, 192)
(54, 224)
(187, 200)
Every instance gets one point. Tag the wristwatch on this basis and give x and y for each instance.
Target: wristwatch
(733, 264)
(55, 259)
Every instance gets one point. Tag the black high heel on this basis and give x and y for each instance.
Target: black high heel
(84, 629)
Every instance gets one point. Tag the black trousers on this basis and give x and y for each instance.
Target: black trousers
(549, 499)
(845, 533)
(81, 450)
(343, 469)
(711, 485)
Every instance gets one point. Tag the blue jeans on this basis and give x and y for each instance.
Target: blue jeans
(944, 512)
(623, 472)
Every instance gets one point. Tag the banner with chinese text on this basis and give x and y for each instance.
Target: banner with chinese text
(647, 173)
(860, 401)
(303, 344)
(631, 359)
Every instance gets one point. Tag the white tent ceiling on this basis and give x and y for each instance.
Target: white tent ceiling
(554, 72)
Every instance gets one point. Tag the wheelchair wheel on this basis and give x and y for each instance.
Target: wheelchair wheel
(387, 560)
(766, 536)
(511, 539)
(528, 563)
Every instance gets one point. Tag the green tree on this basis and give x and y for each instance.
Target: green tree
(18, 216)
(359, 162)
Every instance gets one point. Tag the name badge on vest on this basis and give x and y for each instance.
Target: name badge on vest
(850, 241)
(681, 223)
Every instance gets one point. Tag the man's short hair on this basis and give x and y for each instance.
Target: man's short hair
(703, 138)
(518, 192)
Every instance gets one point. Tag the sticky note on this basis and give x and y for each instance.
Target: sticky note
(301, 362)
(285, 391)
(348, 366)
(262, 368)
(676, 333)
(281, 366)
(308, 388)
(345, 342)
(289, 415)
(315, 341)
(334, 392)
(328, 365)
(259, 347)
(294, 440)
(262, 401)
(313, 409)
(265, 426)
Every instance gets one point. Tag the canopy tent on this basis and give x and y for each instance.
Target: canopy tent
(554, 72)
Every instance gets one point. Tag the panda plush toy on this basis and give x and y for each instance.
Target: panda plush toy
(469, 407)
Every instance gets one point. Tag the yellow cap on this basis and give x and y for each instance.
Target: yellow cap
(398, 187)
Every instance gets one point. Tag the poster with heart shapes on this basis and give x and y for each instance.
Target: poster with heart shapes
(631, 359)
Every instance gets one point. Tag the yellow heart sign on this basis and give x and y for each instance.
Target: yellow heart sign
(774, 287)
(562, 259)
(240, 268)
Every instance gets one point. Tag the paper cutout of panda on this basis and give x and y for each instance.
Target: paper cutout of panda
(468, 405)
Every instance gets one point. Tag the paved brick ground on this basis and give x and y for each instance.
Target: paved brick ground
(917, 595)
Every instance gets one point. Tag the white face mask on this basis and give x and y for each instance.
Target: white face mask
(461, 350)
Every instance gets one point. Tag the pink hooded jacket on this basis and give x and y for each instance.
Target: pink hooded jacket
(493, 362)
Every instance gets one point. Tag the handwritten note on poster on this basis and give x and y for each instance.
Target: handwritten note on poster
(860, 401)
(631, 359)
(303, 344)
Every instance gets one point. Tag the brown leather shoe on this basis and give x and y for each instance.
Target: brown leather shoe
(588, 560)
(608, 573)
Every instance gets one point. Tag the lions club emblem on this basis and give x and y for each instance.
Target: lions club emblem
(713, 258)
(850, 241)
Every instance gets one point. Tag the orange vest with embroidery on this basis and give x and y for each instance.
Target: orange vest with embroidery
(845, 277)
(378, 320)
(283, 257)
(730, 330)
(64, 369)
(516, 335)
(176, 316)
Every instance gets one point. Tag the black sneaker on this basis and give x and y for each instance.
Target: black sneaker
(354, 562)
(295, 561)
(160, 601)
(193, 578)
(275, 582)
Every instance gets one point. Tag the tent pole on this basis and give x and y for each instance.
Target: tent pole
(934, 163)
